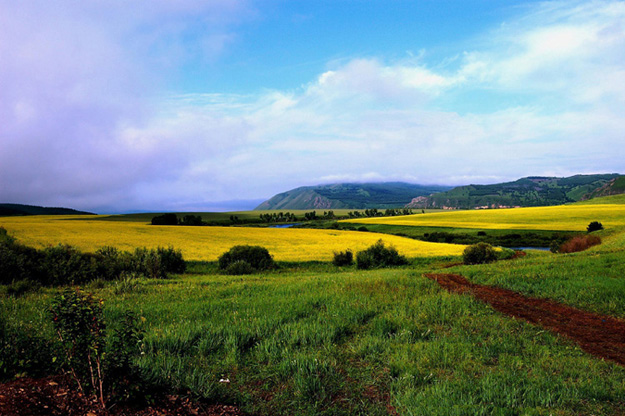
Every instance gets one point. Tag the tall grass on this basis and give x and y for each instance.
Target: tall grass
(349, 342)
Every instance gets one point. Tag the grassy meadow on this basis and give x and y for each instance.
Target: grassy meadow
(311, 339)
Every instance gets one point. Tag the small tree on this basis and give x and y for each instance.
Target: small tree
(379, 255)
(343, 258)
(479, 253)
(257, 257)
(79, 323)
(594, 226)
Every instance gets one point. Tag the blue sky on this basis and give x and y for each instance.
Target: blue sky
(203, 105)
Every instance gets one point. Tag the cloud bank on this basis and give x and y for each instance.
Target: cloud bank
(87, 121)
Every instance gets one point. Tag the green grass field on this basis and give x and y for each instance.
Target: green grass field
(312, 339)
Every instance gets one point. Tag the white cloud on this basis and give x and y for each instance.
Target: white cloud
(77, 132)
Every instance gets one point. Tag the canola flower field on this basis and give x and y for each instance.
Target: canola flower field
(574, 217)
(207, 243)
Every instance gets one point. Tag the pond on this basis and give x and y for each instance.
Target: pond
(284, 225)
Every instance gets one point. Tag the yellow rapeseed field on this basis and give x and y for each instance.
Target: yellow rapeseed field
(574, 217)
(207, 243)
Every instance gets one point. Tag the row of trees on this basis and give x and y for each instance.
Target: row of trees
(172, 219)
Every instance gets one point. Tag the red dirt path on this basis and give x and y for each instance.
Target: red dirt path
(600, 335)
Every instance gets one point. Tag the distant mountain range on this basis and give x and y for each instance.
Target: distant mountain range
(20, 209)
(350, 196)
(525, 192)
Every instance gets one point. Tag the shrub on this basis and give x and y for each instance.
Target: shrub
(343, 258)
(479, 253)
(20, 287)
(363, 228)
(101, 366)
(257, 257)
(79, 323)
(379, 256)
(148, 263)
(579, 243)
(171, 260)
(594, 226)
(239, 267)
(24, 353)
(18, 262)
(505, 254)
(64, 264)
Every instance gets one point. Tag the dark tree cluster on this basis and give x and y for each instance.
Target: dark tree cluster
(165, 219)
(63, 264)
(278, 217)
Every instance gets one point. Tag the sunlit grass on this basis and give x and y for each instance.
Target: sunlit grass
(207, 243)
(310, 343)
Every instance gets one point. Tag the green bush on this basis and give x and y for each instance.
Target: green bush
(101, 366)
(479, 253)
(23, 353)
(239, 267)
(172, 260)
(257, 257)
(594, 226)
(79, 323)
(343, 258)
(21, 287)
(64, 264)
(379, 256)
(18, 262)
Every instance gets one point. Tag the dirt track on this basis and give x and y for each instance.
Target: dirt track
(600, 335)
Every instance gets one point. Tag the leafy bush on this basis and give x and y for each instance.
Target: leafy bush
(379, 256)
(579, 243)
(124, 379)
(505, 254)
(18, 262)
(20, 287)
(79, 323)
(594, 226)
(479, 253)
(257, 257)
(148, 263)
(343, 258)
(239, 267)
(64, 264)
(172, 260)
(23, 353)
(101, 366)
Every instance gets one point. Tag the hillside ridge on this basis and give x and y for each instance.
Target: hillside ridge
(8, 210)
(525, 192)
(350, 196)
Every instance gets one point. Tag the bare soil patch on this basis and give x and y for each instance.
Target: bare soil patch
(55, 396)
(600, 335)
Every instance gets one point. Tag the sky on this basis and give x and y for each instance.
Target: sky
(123, 106)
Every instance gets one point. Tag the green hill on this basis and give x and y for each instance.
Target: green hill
(525, 192)
(350, 196)
(7, 210)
